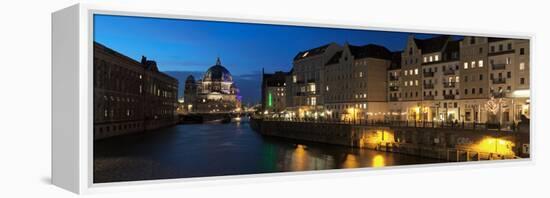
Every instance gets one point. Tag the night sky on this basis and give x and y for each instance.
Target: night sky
(183, 47)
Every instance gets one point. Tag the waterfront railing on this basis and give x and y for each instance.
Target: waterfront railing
(404, 123)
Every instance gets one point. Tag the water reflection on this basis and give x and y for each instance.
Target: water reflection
(351, 162)
(378, 161)
(223, 149)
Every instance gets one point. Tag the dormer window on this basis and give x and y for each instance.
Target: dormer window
(305, 54)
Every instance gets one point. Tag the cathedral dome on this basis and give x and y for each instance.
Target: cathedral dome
(218, 73)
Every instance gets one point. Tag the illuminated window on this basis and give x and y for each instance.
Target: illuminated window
(465, 65)
(431, 58)
(360, 74)
(294, 79)
(415, 71)
(416, 82)
(473, 64)
(436, 57)
(480, 63)
(411, 83)
(456, 79)
(521, 66)
(313, 100)
(140, 76)
(508, 60)
(305, 54)
(406, 83)
(312, 87)
(327, 88)
(425, 59)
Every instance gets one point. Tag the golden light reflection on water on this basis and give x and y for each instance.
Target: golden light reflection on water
(378, 161)
(299, 158)
(351, 161)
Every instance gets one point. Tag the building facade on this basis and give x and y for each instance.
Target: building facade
(355, 83)
(274, 91)
(441, 79)
(461, 79)
(130, 96)
(305, 88)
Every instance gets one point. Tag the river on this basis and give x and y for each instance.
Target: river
(199, 150)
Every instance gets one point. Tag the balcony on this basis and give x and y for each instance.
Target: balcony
(394, 78)
(300, 93)
(449, 72)
(311, 80)
(500, 66)
(449, 97)
(429, 97)
(429, 86)
(499, 81)
(394, 88)
(428, 74)
(449, 84)
(393, 98)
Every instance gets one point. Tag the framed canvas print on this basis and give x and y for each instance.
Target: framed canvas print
(142, 96)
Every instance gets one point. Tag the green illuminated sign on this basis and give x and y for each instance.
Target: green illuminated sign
(269, 100)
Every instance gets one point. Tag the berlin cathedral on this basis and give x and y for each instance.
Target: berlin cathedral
(214, 93)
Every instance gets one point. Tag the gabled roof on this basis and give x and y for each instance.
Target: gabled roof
(276, 79)
(370, 51)
(452, 47)
(495, 39)
(431, 45)
(335, 58)
(311, 52)
(360, 52)
(395, 60)
(149, 64)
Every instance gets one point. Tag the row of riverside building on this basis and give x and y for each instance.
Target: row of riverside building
(443, 78)
(130, 96)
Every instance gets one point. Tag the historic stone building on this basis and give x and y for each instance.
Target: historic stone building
(214, 93)
(474, 72)
(274, 91)
(306, 85)
(130, 96)
(355, 82)
(443, 79)
(509, 76)
(458, 79)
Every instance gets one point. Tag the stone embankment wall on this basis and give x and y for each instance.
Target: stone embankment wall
(449, 144)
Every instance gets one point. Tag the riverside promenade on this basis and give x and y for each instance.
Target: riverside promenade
(445, 141)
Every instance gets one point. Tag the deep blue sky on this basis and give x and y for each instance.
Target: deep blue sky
(191, 46)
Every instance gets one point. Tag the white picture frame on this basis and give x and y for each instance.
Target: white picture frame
(72, 91)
